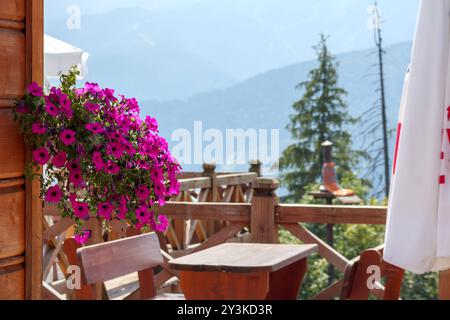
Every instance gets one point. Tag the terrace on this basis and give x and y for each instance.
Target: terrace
(39, 256)
(215, 208)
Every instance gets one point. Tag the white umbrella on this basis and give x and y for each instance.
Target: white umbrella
(60, 56)
(418, 222)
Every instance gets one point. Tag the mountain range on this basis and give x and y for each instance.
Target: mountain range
(265, 101)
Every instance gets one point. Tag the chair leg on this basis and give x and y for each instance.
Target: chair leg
(394, 277)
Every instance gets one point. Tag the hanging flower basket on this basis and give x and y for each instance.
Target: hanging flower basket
(100, 158)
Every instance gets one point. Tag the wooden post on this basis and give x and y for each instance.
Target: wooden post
(96, 227)
(330, 242)
(255, 166)
(209, 170)
(444, 285)
(262, 225)
(34, 39)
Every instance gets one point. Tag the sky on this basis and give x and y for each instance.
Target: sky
(230, 33)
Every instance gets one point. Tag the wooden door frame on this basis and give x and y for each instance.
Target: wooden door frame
(34, 39)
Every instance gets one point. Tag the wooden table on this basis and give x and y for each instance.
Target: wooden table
(244, 271)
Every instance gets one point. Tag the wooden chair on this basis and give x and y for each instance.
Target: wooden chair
(356, 276)
(109, 260)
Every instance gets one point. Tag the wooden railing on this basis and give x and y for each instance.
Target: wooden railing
(213, 208)
(263, 215)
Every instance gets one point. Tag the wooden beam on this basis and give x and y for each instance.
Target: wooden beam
(236, 179)
(194, 183)
(238, 212)
(221, 236)
(292, 213)
(56, 229)
(326, 251)
(49, 293)
(34, 34)
(330, 292)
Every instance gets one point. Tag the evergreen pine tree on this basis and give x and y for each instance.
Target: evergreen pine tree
(320, 115)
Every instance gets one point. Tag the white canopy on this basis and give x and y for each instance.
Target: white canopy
(60, 56)
(418, 221)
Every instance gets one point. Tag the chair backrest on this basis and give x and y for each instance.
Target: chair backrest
(357, 273)
(109, 260)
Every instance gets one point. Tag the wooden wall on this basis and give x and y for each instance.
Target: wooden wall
(21, 54)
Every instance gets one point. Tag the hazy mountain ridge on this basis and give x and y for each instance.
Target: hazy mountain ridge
(265, 101)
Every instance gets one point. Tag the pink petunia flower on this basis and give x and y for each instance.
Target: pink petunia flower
(143, 193)
(59, 160)
(95, 128)
(41, 155)
(111, 167)
(38, 128)
(156, 175)
(76, 179)
(160, 189)
(67, 137)
(83, 236)
(97, 160)
(81, 210)
(22, 107)
(128, 147)
(143, 214)
(116, 149)
(74, 166)
(105, 209)
(35, 90)
(122, 209)
(91, 107)
(51, 109)
(54, 194)
(161, 225)
(92, 88)
(174, 188)
(152, 124)
(64, 101)
(161, 201)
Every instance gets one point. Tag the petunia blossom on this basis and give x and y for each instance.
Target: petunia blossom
(95, 128)
(111, 167)
(76, 179)
(35, 90)
(54, 194)
(41, 155)
(51, 109)
(82, 236)
(143, 214)
(143, 193)
(116, 149)
(59, 160)
(161, 225)
(81, 210)
(67, 137)
(38, 128)
(104, 210)
(98, 160)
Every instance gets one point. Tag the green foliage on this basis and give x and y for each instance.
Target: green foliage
(420, 287)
